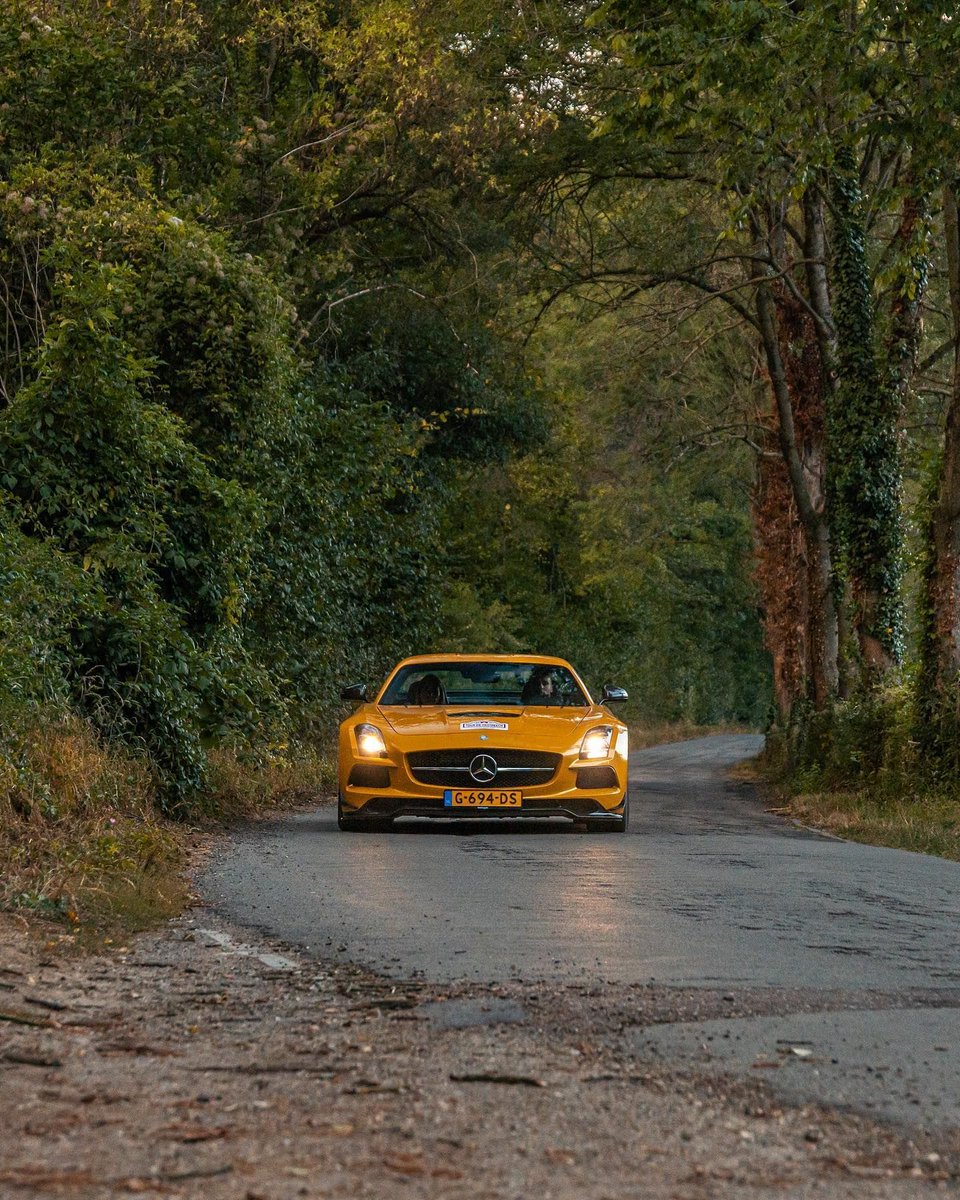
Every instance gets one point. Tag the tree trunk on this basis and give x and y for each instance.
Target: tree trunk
(799, 430)
(781, 574)
(816, 253)
(802, 364)
(863, 442)
(943, 649)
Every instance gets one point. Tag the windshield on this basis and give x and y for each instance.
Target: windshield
(488, 683)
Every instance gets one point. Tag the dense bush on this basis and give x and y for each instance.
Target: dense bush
(868, 744)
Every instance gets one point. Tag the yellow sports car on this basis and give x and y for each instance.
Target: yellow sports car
(465, 735)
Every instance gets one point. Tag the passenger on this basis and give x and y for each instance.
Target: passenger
(428, 690)
(539, 688)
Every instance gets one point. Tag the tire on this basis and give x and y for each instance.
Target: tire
(617, 825)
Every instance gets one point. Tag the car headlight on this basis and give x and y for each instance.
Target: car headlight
(596, 742)
(370, 743)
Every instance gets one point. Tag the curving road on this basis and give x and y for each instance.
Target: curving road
(706, 890)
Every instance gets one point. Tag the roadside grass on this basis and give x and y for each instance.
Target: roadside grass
(83, 843)
(245, 785)
(928, 823)
(893, 808)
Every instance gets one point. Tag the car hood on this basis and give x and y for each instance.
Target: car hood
(503, 726)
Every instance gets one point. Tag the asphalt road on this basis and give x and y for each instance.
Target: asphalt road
(706, 890)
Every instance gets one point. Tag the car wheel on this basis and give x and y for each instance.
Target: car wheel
(616, 825)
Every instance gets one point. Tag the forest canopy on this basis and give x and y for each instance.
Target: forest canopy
(624, 331)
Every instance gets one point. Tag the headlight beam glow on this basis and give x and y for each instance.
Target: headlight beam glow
(370, 743)
(596, 742)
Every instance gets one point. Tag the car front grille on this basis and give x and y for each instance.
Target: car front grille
(515, 768)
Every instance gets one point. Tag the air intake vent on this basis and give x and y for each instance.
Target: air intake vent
(369, 775)
(589, 778)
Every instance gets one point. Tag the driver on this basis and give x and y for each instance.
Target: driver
(539, 688)
(428, 690)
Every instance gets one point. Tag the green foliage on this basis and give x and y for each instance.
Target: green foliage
(867, 770)
(264, 419)
(607, 546)
(105, 474)
(471, 626)
(936, 728)
(344, 569)
(41, 594)
(211, 514)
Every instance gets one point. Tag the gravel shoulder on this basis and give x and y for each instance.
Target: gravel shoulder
(189, 1063)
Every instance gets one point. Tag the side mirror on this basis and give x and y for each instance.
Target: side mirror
(613, 695)
(356, 692)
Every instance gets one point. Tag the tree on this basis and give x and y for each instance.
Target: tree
(754, 110)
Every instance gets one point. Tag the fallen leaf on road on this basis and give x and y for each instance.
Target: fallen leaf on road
(19, 1018)
(30, 1060)
(404, 1163)
(196, 1173)
(185, 1132)
(493, 1077)
(43, 1002)
(35, 1177)
(138, 1048)
(371, 1087)
(864, 1172)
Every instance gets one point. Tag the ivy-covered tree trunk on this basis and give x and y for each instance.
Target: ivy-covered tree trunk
(817, 271)
(902, 339)
(941, 643)
(864, 480)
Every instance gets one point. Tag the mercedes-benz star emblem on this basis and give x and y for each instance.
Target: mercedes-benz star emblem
(484, 768)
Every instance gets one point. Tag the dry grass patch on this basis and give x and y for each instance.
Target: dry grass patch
(244, 785)
(894, 807)
(928, 823)
(82, 839)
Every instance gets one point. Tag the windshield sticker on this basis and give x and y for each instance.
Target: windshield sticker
(484, 725)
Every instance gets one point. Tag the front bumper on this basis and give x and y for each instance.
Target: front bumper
(575, 809)
(387, 787)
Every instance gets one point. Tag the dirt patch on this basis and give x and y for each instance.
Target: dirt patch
(188, 1063)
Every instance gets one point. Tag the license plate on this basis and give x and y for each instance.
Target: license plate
(455, 798)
